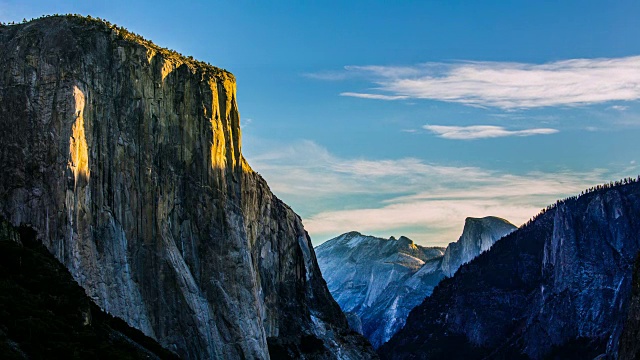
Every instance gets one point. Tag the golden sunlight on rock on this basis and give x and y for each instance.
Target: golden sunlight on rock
(245, 166)
(224, 124)
(218, 151)
(151, 53)
(167, 68)
(78, 148)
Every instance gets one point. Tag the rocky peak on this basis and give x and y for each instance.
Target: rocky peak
(403, 240)
(362, 270)
(351, 235)
(478, 235)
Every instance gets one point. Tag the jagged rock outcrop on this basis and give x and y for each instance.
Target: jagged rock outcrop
(126, 160)
(559, 287)
(479, 235)
(381, 280)
(45, 314)
(354, 322)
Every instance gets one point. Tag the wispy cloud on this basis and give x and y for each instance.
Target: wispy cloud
(618, 108)
(407, 196)
(507, 85)
(482, 131)
(245, 123)
(389, 71)
(375, 96)
(327, 75)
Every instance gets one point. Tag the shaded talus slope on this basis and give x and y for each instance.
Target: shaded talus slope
(125, 158)
(45, 314)
(558, 287)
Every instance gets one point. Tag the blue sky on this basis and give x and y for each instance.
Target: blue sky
(402, 118)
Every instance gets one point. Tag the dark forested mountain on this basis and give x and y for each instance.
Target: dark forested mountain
(560, 287)
(126, 160)
(381, 280)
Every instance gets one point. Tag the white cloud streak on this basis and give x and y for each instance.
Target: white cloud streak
(482, 131)
(619, 107)
(426, 202)
(327, 75)
(507, 85)
(375, 96)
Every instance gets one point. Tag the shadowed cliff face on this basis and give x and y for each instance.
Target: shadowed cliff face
(559, 287)
(630, 338)
(126, 160)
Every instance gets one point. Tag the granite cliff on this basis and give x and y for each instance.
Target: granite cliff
(126, 160)
(381, 280)
(559, 287)
(478, 235)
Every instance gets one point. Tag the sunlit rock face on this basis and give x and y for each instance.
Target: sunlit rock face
(126, 160)
(381, 280)
(559, 287)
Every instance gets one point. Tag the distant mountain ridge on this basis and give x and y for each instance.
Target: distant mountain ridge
(560, 287)
(399, 257)
(380, 280)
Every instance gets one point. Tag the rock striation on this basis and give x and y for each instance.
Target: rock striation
(559, 287)
(381, 280)
(126, 159)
